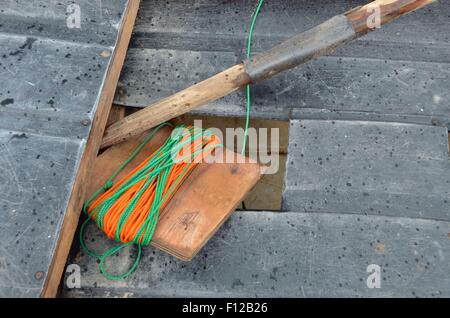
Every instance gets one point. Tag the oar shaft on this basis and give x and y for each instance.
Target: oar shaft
(320, 40)
(182, 102)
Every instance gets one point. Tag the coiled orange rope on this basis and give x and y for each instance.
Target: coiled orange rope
(128, 211)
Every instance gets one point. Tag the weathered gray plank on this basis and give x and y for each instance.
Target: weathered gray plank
(60, 88)
(281, 18)
(331, 87)
(399, 73)
(100, 20)
(393, 89)
(368, 168)
(51, 78)
(288, 255)
(36, 176)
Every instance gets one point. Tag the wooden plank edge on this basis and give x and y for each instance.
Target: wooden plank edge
(77, 197)
(116, 113)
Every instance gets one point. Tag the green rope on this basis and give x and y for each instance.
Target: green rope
(249, 45)
(158, 168)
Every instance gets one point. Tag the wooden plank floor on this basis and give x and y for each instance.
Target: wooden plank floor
(290, 254)
(356, 194)
(367, 174)
(56, 88)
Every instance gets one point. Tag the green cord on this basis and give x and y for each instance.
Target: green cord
(158, 168)
(249, 44)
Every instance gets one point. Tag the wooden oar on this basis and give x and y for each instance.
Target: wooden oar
(320, 40)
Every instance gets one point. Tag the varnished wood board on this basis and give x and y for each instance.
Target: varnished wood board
(199, 207)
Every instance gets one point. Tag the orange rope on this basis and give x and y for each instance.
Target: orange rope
(142, 208)
(128, 210)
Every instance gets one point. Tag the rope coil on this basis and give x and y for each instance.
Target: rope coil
(127, 211)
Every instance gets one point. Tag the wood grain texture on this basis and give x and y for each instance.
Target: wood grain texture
(389, 10)
(182, 102)
(115, 114)
(204, 201)
(199, 207)
(77, 196)
(108, 162)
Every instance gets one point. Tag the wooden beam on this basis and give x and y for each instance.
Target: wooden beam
(201, 204)
(77, 196)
